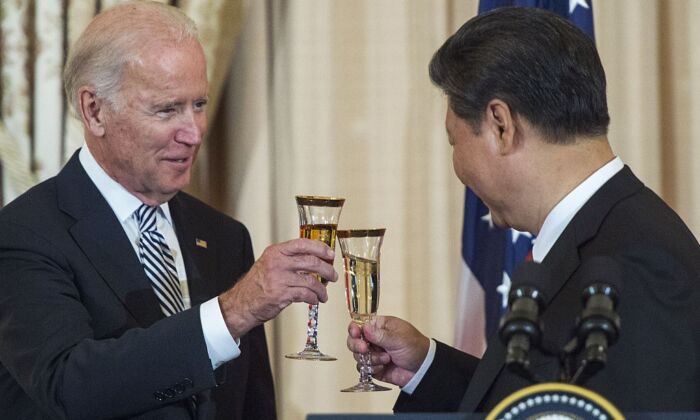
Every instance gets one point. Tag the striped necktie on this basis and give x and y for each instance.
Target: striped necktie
(158, 261)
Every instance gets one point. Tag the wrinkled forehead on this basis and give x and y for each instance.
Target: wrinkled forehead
(153, 54)
(167, 67)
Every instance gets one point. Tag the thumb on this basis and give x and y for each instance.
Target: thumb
(375, 334)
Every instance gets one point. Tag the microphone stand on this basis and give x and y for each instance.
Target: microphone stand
(598, 328)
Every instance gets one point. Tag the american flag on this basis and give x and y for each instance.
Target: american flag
(489, 253)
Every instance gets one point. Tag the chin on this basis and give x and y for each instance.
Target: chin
(169, 191)
(501, 223)
(179, 183)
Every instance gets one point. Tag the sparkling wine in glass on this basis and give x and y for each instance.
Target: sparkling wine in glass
(318, 220)
(360, 249)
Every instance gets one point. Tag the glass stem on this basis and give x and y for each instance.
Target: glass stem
(365, 364)
(312, 329)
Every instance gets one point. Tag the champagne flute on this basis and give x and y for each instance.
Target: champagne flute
(360, 248)
(318, 219)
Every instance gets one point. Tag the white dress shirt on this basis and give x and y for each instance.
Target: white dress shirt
(220, 344)
(553, 226)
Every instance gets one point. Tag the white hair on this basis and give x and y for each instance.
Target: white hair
(115, 38)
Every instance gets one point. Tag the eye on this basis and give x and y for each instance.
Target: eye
(166, 111)
(200, 105)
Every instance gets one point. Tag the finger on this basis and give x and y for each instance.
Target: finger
(380, 358)
(379, 321)
(306, 281)
(377, 370)
(303, 246)
(319, 289)
(375, 358)
(357, 345)
(373, 334)
(312, 264)
(354, 330)
(302, 294)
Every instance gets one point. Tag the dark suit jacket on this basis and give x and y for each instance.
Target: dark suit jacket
(81, 332)
(654, 366)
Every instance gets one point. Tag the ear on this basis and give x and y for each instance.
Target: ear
(501, 122)
(91, 110)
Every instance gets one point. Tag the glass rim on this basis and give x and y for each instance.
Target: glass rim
(319, 200)
(359, 233)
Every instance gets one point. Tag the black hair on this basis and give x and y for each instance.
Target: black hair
(545, 69)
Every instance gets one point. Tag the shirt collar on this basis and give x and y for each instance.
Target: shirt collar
(122, 202)
(560, 216)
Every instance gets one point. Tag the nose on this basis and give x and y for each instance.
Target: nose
(192, 128)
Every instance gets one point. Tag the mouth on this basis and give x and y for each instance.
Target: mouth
(179, 161)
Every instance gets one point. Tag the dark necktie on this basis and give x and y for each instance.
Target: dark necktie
(158, 261)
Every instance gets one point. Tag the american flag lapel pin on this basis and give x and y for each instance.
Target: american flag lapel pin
(200, 243)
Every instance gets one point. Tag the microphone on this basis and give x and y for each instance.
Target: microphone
(520, 328)
(598, 326)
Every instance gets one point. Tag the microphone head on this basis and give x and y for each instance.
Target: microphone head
(601, 275)
(529, 280)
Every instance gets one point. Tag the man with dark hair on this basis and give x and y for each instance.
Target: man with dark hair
(527, 119)
(560, 91)
(118, 297)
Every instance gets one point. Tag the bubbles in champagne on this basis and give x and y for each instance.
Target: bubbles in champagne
(323, 233)
(361, 287)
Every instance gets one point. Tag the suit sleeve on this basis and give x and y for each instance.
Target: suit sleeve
(49, 345)
(443, 385)
(260, 394)
(657, 351)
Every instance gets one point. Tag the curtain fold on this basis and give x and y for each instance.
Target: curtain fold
(15, 135)
(37, 131)
(334, 98)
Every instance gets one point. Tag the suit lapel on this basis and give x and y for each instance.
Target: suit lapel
(116, 262)
(196, 251)
(562, 261)
(564, 257)
(487, 370)
(197, 259)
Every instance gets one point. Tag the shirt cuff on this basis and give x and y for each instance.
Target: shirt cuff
(410, 387)
(220, 344)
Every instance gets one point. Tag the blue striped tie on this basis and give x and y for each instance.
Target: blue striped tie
(158, 261)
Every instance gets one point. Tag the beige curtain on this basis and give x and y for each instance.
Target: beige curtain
(37, 133)
(332, 97)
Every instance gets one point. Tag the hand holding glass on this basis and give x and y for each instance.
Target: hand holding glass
(360, 250)
(318, 219)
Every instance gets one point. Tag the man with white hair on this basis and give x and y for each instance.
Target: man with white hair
(123, 297)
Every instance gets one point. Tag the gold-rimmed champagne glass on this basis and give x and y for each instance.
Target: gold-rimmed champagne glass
(318, 219)
(360, 249)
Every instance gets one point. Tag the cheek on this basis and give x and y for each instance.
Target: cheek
(202, 123)
(459, 165)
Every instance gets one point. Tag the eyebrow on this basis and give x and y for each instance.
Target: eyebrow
(167, 104)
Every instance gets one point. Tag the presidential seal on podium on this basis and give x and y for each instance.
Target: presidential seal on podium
(555, 401)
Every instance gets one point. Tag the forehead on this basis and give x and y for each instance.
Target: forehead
(168, 68)
(452, 120)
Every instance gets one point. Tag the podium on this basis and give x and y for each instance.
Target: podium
(468, 416)
(549, 400)
(401, 416)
